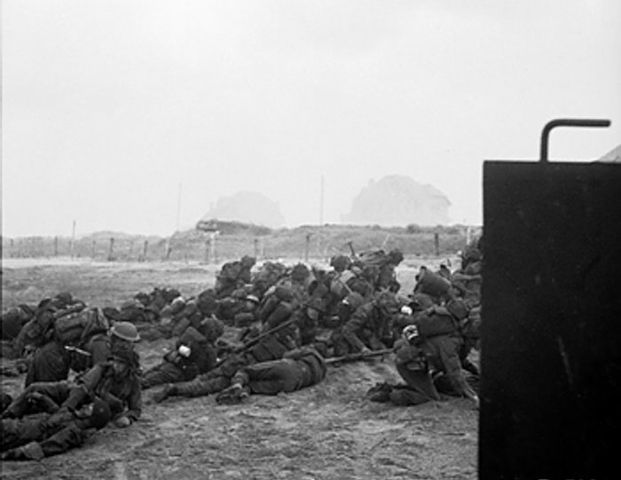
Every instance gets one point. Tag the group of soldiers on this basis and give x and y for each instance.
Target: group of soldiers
(288, 324)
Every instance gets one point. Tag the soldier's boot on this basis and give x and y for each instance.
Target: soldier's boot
(470, 367)
(380, 392)
(5, 401)
(167, 391)
(44, 403)
(404, 396)
(232, 395)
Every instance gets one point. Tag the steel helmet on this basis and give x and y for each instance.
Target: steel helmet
(253, 299)
(125, 331)
(167, 312)
(101, 414)
(457, 308)
(340, 262)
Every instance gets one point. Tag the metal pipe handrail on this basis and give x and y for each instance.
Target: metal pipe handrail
(566, 122)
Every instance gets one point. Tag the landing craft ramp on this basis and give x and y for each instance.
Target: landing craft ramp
(551, 332)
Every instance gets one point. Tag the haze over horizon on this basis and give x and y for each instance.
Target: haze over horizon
(135, 116)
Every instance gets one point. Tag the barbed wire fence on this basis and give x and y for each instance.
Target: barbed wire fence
(212, 248)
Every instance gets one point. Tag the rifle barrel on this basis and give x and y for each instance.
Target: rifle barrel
(258, 338)
(359, 356)
(70, 348)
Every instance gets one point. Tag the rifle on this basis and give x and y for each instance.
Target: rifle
(8, 371)
(75, 308)
(351, 249)
(258, 338)
(352, 357)
(70, 348)
(385, 241)
(253, 341)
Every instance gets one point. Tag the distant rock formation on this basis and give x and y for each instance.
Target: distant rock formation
(398, 200)
(248, 207)
(613, 156)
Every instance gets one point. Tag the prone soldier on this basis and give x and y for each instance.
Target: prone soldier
(42, 435)
(299, 368)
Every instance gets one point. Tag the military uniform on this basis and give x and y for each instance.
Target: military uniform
(121, 391)
(439, 326)
(72, 326)
(234, 275)
(300, 369)
(371, 325)
(42, 435)
(412, 364)
(270, 347)
(177, 368)
(13, 320)
(66, 438)
(37, 427)
(49, 363)
(444, 358)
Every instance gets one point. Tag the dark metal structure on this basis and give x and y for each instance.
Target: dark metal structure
(551, 331)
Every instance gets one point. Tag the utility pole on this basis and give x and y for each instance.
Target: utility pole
(319, 237)
(321, 201)
(72, 239)
(178, 206)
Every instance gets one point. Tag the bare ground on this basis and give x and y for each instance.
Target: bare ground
(328, 431)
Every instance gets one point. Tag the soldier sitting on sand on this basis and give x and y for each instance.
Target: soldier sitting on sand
(234, 275)
(115, 381)
(194, 354)
(278, 335)
(370, 326)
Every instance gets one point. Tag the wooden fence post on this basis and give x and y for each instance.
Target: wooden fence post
(307, 247)
(207, 249)
(145, 248)
(72, 239)
(213, 246)
(111, 249)
(436, 243)
(256, 248)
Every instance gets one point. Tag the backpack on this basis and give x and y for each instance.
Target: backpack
(435, 324)
(269, 273)
(230, 272)
(375, 258)
(77, 327)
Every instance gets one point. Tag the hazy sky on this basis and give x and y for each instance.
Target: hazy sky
(113, 110)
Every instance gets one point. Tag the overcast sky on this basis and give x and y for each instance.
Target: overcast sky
(112, 111)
